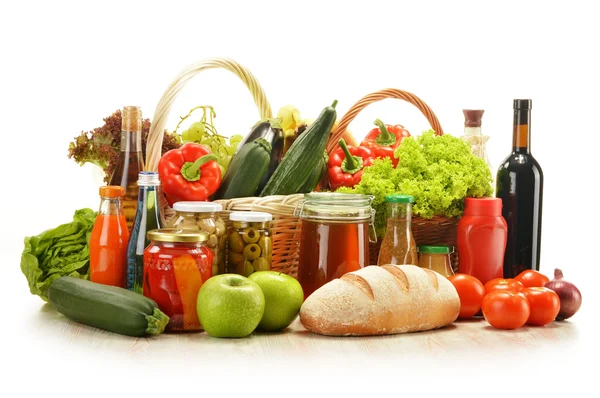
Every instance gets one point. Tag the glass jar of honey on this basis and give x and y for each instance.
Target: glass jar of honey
(436, 258)
(334, 237)
(203, 216)
(249, 242)
(176, 264)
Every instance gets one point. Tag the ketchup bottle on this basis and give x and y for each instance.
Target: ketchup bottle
(481, 239)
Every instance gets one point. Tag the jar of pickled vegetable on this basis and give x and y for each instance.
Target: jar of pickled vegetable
(249, 243)
(436, 258)
(204, 216)
(176, 264)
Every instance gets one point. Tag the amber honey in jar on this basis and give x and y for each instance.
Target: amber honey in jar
(176, 264)
(436, 258)
(334, 237)
(203, 216)
(249, 242)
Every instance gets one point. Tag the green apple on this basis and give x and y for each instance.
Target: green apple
(230, 305)
(283, 299)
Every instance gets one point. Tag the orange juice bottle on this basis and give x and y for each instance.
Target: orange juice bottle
(108, 243)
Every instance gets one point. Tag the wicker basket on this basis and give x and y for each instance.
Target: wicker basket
(426, 231)
(285, 227)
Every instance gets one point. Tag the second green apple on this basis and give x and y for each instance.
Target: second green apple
(283, 299)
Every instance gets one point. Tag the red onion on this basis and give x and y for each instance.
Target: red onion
(570, 296)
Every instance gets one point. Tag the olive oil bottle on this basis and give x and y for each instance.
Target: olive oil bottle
(130, 161)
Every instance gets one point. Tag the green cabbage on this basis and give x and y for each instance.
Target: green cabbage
(439, 171)
(57, 252)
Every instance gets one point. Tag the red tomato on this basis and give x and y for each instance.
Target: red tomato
(532, 278)
(470, 291)
(505, 309)
(544, 305)
(503, 284)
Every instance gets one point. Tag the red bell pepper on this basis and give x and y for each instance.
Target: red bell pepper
(384, 139)
(189, 173)
(346, 165)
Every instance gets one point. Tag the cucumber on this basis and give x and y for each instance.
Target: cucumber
(303, 156)
(106, 307)
(316, 176)
(246, 171)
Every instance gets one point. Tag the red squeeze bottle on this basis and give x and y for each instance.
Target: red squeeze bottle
(481, 238)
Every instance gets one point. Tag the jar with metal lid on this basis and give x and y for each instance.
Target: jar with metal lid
(204, 216)
(249, 242)
(176, 264)
(334, 238)
(436, 258)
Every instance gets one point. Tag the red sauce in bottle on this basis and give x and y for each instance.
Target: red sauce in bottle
(481, 239)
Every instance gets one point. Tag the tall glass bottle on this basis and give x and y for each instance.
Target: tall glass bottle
(130, 161)
(474, 136)
(147, 218)
(398, 245)
(519, 184)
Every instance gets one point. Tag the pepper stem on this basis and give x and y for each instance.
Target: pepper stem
(351, 164)
(384, 138)
(191, 170)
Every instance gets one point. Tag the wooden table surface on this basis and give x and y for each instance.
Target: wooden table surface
(530, 359)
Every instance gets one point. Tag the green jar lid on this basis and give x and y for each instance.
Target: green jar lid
(435, 249)
(399, 199)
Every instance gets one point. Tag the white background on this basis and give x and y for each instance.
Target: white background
(65, 66)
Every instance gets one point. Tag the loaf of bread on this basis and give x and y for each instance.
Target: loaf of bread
(378, 300)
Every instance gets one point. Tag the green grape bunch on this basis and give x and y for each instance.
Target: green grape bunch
(204, 132)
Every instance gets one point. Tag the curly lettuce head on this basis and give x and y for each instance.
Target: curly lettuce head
(439, 171)
(58, 252)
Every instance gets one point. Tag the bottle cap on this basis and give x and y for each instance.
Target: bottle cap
(197, 207)
(399, 199)
(112, 191)
(177, 235)
(522, 104)
(148, 179)
(250, 216)
(489, 207)
(473, 117)
(435, 249)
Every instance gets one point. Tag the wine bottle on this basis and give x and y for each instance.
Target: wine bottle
(519, 183)
(130, 161)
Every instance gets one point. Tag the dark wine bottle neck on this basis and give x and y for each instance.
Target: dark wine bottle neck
(522, 131)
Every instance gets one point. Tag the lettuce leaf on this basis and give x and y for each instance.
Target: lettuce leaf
(439, 171)
(58, 252)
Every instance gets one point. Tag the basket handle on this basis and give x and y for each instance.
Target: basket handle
(157, 128)
(378, 96)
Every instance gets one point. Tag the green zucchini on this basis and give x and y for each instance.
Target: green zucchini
(303, 156)
(106, 307)
(316, 176)
(246, 171)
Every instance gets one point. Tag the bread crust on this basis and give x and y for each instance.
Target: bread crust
(379, 300)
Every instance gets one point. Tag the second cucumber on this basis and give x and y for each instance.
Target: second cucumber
(303, 157)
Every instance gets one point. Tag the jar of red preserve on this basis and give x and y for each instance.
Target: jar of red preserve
(481, 239)
(176, 264)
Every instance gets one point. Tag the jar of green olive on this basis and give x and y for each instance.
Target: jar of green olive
(203, 216)
(249, 242)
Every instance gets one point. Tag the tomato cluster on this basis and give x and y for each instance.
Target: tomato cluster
(508, 303)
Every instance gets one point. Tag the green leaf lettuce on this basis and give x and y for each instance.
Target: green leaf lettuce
(439, 171)
(57, 252)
